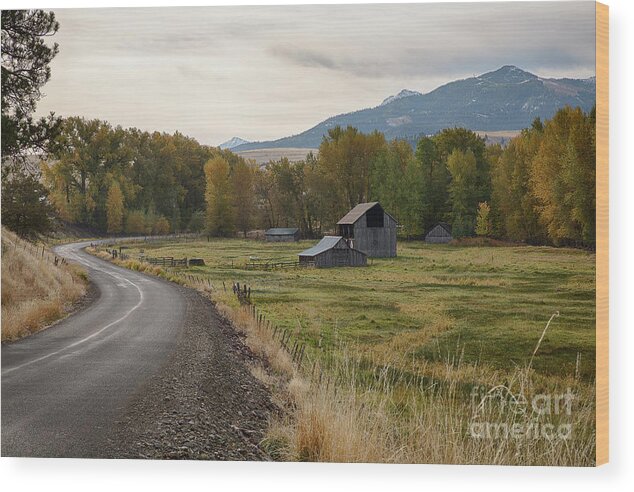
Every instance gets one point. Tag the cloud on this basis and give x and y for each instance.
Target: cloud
(270, 71)
(305, 57)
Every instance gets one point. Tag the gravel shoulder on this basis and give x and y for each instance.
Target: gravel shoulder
(204, 403)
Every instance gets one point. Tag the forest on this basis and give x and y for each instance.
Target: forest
(539, 189)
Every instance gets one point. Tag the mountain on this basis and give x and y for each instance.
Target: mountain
(232, 143)
(400, 95)
(506, 99)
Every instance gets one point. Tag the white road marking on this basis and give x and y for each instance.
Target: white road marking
(83, 340)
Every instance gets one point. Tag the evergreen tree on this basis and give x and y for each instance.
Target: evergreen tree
(25, 69)
(434, 182)
(463, 191)
(25, 209)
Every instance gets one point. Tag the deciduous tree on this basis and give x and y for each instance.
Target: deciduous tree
(218, 196)
(115, 208)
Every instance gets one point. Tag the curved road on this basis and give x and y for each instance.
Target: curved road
(64, 388)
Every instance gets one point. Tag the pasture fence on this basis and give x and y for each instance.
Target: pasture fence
(36, 250)
(295, 347)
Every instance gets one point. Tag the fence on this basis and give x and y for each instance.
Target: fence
(254, 264)
(295, 348)
(164, 261)
(36, 250)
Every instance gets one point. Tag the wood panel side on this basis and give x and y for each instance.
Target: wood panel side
(602, 233)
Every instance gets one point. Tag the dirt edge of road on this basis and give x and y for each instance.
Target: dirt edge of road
(204, 403)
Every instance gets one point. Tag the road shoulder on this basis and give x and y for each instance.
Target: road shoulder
(204, 403)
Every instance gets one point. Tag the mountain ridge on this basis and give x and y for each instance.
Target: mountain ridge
(508, 98)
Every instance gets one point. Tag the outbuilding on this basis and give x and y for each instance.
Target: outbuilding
(282, 234)
(440, 233)
(370, 229)
(333, 251)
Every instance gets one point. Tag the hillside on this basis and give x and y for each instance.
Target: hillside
(506, 99)
(36, 290)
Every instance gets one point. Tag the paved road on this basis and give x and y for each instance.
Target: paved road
(65, 387)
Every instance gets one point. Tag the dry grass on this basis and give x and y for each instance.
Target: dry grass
(394, 420)
(462, 414)
(35, 291)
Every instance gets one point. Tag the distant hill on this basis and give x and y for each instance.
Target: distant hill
(232, 143)
(506, 99)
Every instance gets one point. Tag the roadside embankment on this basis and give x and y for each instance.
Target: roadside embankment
(38, 287)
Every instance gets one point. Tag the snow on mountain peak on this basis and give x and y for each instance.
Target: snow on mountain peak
(233, 142)
(400, 95)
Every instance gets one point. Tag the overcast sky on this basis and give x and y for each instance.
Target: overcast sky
(267, 72)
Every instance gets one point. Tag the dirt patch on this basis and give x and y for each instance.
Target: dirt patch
(204, 404)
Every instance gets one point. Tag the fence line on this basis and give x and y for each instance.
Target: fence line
(36, 250)
(294, 347)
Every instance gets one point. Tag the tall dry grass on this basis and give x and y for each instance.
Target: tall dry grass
(355, 410)
(35, 291)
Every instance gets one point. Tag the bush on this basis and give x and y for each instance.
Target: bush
(161, 226)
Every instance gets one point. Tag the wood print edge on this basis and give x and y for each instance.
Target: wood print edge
(602, 234)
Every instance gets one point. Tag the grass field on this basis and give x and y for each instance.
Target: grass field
(455, 317)
(490, 302)
(264, 156)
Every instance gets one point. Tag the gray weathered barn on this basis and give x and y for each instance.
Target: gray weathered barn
(282, 234)
(333, 251)
(440, 233)
(371, 230)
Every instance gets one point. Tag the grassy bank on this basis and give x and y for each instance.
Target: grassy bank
(35, 290)
(409, 348)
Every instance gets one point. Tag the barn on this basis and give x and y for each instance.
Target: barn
(371, 229)
(440, 233)
(333, 251)
(282, 234)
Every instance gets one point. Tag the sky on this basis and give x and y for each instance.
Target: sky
(267, 72)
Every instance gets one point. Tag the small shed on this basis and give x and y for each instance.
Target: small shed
(333, 251)
(371, 230)
(440, 233)
(282, 234)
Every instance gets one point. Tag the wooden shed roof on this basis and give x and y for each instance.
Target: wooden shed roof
(359, 211)
(444, 225)
(326, 243)
(282, 231)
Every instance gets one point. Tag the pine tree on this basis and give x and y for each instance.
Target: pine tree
(463, 191)
(434, 182)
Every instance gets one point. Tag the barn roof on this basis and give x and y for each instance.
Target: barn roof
(327, 242)
(444, 225)
(282, 231)
(359, 211)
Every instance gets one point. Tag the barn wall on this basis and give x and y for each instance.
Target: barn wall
(281, 239)
(379, 242)
(338, 257)
(438, 239)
